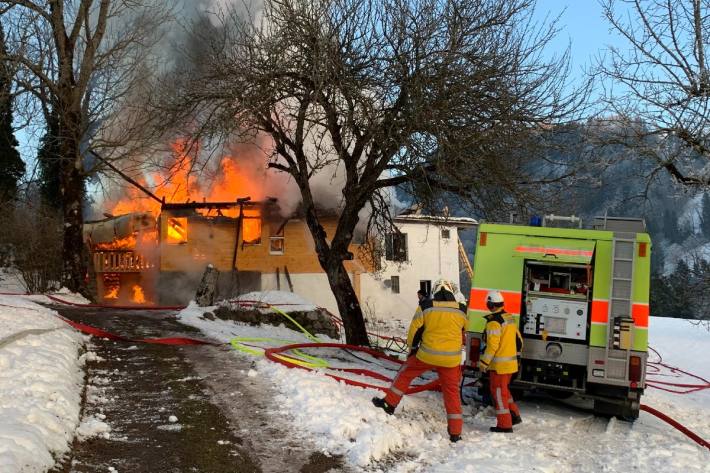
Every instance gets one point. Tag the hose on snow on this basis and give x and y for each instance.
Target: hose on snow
(695, 437)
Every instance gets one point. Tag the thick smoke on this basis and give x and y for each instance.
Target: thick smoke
(207, 173)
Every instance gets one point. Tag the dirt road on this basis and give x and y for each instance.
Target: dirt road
(179, 409)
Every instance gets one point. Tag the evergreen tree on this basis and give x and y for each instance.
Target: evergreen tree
(670, 225)
(11, 165)
(662, 302)
(683, 295)
(705, 216)
(49, 161)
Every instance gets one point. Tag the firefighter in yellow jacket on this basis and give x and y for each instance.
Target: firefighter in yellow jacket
(500, 359)
(436, 340)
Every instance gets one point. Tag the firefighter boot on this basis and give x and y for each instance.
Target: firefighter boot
(382, 404)
(501, 430)
(516, 418)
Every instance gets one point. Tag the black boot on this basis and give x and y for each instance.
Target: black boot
(516, 418)
(501, 430)
(454, 438)
(382, 404)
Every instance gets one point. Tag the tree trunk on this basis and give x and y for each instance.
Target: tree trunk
(73, 251)
(331, 260)
(72, 192)
(348, 304)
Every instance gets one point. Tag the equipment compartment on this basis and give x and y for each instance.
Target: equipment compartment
(556, 301)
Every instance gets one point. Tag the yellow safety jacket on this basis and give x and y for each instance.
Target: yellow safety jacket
(503, 343)
(436, 333)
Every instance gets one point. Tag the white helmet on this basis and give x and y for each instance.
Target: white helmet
(494, 297)
(443, 284)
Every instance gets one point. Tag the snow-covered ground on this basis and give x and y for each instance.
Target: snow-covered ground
(552, 438)
(41, 380)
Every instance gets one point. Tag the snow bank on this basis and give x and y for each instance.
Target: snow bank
(286, 301)
(225, 330)
(41, 380)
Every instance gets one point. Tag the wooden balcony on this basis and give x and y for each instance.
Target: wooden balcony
(120, 261)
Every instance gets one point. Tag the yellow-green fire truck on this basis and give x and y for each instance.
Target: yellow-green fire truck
(581, 300)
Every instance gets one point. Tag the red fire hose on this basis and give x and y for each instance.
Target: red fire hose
(117, 307)
(271, 353)
(98, 306)
(97, 332)
(695, 437)
(683, 388)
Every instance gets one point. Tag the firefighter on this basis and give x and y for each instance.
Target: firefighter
(500, 359)
(435, 336)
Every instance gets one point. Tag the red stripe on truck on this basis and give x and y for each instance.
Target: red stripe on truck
(553, 251)
(600, 311)
(640, 312)
(478, 300)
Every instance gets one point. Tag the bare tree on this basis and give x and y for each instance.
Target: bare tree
(658, 84)
(436, 96)
(76, 62)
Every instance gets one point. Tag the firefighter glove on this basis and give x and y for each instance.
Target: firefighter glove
(483, 366)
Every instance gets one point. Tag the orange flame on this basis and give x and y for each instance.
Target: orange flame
(177, 230)
(127, 243)
(179, 182)
(138, 296)
(112, 293)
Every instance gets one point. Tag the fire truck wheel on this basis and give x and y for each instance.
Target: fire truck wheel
(518, 393)
(627, 411)
(557, 394)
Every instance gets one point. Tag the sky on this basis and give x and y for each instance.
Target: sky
(581, 24)
(582, 27)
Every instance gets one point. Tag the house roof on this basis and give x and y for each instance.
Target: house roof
(460, 222)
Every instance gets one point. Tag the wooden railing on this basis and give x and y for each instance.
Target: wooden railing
(120, 261)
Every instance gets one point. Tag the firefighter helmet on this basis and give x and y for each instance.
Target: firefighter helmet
(444, 284)
(494, 298)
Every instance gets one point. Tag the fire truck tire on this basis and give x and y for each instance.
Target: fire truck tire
(557, 394)
(518, 393)
(627, 410)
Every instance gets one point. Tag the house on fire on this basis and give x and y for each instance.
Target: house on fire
(138, 258)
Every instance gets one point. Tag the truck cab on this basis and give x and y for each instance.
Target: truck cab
(580, 297)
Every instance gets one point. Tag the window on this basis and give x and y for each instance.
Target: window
(395, 284)
(396, 247)
(445, 233)
(276, 241)
(251, 227)
(177, 230)
(425, 287)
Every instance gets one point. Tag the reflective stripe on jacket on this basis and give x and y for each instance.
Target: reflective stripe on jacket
(503, 343)
(440, 325)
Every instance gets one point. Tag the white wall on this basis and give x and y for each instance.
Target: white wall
(313, 287)
(429, 256)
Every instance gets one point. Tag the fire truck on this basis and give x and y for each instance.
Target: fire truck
(580, 297)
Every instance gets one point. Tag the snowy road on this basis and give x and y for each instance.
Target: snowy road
(177, 409)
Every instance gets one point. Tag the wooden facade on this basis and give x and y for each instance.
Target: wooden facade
(282, 244)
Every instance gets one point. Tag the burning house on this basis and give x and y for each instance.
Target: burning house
(250, 243)
(155, 250)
